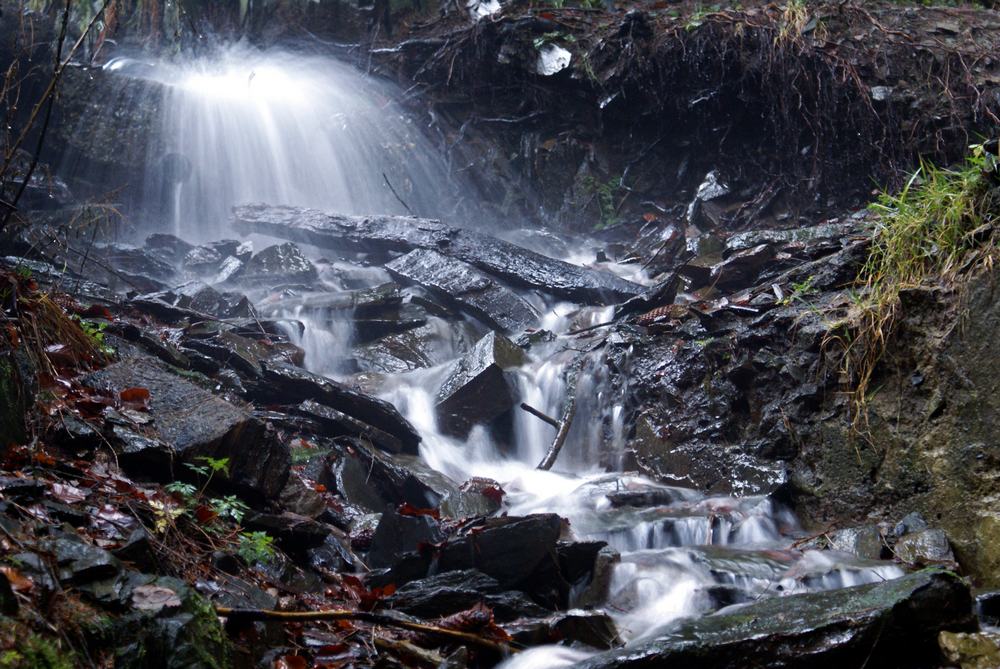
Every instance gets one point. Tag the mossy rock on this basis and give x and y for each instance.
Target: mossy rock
(23, 649)
(188, 636)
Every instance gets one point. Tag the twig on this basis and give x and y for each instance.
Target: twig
(401, 201)
(538, 414)
(557, 443)
(253, 615)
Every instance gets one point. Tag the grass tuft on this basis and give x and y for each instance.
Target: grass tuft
(940, 226)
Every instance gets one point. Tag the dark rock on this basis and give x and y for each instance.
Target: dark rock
(334, 556)
(338, 424)
(137, 550)
(740, 270)
(477, 388)
(988, 608)
(924, 547)
(658, 496)
(451, 592)
(300, 498)
(16, 487)
(292, 531)
(193, 423)
(591, 628)
(173, 637)
(911, 522)
(203, 260)
(285, 383)
(865, 542)
(816, 233)
(139, 268)
(384, 235)
(417, 348)
(467, 288)
(890, 624)
(78, 562)
(371, 479)
(507, 549)
(397, 534)
(173, 248)
(281, 263)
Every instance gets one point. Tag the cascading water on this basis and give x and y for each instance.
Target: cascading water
(297, 129)
(280, 127)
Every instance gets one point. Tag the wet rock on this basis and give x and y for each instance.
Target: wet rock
(21, 488)
(8, 600)
(700, 212)
(191, 422)
(970, 651)
(281, 263)
(890, 624)
(283, 383)
(300, 498)
(865, 542)
(202, 260)
(338, 424)
(924, 547)
(137, 550)
(478, 388)
(382, 235)
(292, 531)
(138, 268)
(334, 556)
(371, 479)
(169, 247)
(78, 562)
(173, 637)
(475, 497)
(451, 592)
(467, 288)
(595, 629)
(402, 352)
(397, 534)
(507, 549)
(584, 565)
(911, 522)
(816, 233)
(988, 607)
(741, 268)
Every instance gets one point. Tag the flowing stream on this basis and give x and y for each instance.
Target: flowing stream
(307, 130)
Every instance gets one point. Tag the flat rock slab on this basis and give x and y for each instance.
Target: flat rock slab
(890, 624)
(285, 384)
(466, 287)
(382, 236)
(193, 422)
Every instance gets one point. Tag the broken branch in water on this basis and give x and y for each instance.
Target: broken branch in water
(557, 443)
(401, 200)
(545, 418)
(254, 615)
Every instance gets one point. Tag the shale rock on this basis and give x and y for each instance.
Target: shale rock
(281, 263)
(478, 387)
(284, 383)
(382, 235)
(890, 624)
(454, 591)
(470, 290)
(191, 422)
(924, 547)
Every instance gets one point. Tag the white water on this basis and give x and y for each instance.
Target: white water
(283, 128)
(288, 128)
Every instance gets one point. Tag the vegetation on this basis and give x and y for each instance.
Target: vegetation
(940, 226)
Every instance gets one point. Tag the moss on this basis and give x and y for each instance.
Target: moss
(11, 404)
(27, 650)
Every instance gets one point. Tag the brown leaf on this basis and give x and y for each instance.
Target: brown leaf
(134, 395)
(18, 581)
(291, 662)
(154, 598)
(204, 514)
(407, 509)
(477, 620)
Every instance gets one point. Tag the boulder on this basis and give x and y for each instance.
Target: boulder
(924, 547)
(591, 628)
(190, 422)
(478, 388)
(865, 542)
(454, 591)
(397, 534)
(889, 624)
(469, 290)
(371, 479)
(381, 236)
(281, 263)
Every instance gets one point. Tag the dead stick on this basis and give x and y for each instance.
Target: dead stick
(252, 615)
(538, 414)
(557, 443)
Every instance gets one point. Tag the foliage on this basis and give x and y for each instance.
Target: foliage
(604, 192)
(941, 225)
(95, 331)
(256, 547)
(37, 652)
(800, 291)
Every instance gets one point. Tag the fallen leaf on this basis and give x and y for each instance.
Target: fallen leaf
(68, 494)
(134, 395)
(291, 662)
(649, 217)
(407, 509)
(154, 598)
(18, 581)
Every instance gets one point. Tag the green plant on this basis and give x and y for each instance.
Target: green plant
(208, 471)
(184, 490)
(229, 507)
(800, 291)
(698, 16)
(256, 547)
(604, 192)
(939, 226)
(95, 332)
